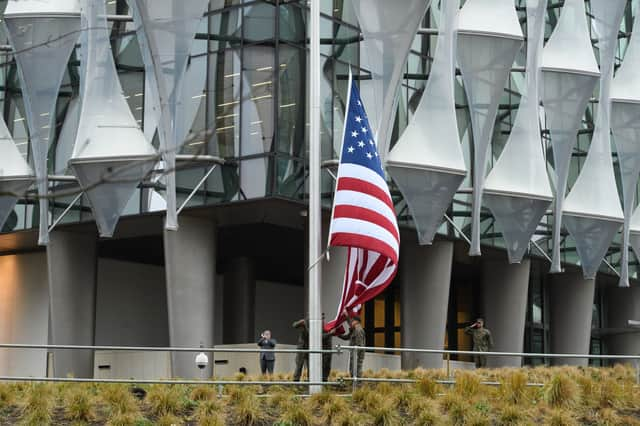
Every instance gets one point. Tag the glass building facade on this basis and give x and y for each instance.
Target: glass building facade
(246, 100)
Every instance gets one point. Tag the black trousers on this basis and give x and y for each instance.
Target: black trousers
(266, 366)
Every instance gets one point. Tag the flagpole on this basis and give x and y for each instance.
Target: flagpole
(315, 207)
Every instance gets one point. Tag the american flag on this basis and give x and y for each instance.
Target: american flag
(364, 218)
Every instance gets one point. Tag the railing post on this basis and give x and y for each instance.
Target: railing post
(448, 365)
(354, 369)
(637, 371)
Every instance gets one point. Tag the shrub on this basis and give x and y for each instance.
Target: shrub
(119, 400)
(467, 384)
(428, 387)
(384, 414)
(165, 400)
(203, 393)
(425, 413)
(296, 413)
(511, 415)
(561, 391)
(38, 405)
(124, 419)
(514, 387)
(477, 418)
(560, 417)
(78, 404)
(334, 409)
(247, 411)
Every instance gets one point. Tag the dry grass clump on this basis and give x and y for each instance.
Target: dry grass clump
(203, 393)
(209, 412)
(560, 417)
(79, 405)
(38, 405)
(425, 413)
(246, 409)
(514, 387)
(165, 400)
(122, 407)
(467, 384)
(561, 391)
(296, 412)
(385, 414)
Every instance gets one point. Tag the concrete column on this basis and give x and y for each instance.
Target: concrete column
(426, 275)
(239, 301)
(571, 308)
(72, 264)
(504, 307)
(190, 267)
(622, 305)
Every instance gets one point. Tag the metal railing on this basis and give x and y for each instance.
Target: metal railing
(339, 349)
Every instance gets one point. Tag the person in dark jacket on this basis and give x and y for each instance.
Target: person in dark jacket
(267, 356)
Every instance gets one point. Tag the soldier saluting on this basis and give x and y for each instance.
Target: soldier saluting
(482, 341)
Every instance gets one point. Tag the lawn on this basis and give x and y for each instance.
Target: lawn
(569, 396)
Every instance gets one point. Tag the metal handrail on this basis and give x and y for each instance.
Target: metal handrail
(159, 349)
(505, 354)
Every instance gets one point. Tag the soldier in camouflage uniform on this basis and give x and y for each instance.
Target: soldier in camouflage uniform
(302, 358)
(482, 341)
(356, 337)
(326, 357)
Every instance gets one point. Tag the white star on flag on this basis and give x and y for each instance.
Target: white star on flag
(361, 144)
(351, 149)
(354, 134)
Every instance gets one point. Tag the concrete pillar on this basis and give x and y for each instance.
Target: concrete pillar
(190, 267)
(426, 275)
(504, 307)
(72, 265)
(622, 305)
(571, 308)
(239, 301)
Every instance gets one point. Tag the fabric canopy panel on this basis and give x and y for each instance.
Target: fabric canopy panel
(111, 155)
(15, 174)
(592, 209)
(625, 124)
(489, 37)
(427, 163)
(166, 29)
(569, 74)
(43, 35)
(634, 233)
(388, 32)
(517, 190)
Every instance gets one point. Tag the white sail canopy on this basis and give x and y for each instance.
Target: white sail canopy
(43, 35)
(625, 124)
(111, 154)
(592, 211)
(388, 29)
(427, 162)
(569, 74)
(489, 37)
(166, 29)
(517, 190)
(15, 174)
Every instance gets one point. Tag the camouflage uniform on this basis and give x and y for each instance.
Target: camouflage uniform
(326, 357)
(356, 337)
(302, 358)
(482, 342)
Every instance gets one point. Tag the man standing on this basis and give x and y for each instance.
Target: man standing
(356, 337)
(482, 341)
(302, 358)
(267, 356)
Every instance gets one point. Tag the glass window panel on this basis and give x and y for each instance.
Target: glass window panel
(379, 314)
